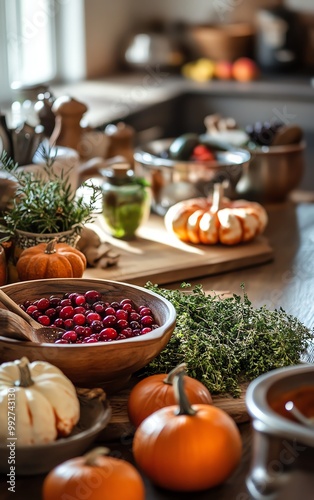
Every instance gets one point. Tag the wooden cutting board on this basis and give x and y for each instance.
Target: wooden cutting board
(157, 256)
(120, 427)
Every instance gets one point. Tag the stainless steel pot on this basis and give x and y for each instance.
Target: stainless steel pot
(283, 451)
(173, 181)
(272, 173)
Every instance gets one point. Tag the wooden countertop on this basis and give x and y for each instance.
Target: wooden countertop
(286, 281)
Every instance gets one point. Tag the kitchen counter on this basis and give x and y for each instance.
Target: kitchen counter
(288, 282)
(117, 96)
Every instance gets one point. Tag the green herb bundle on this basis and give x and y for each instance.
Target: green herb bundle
(227, 341)
(45, 202)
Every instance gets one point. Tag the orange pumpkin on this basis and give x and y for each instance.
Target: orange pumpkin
(216, 220)
(51, 260)
(187, 448)
(156, 391)
(94, 477)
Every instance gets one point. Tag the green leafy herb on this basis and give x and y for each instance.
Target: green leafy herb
(45, 202)
(227, 341)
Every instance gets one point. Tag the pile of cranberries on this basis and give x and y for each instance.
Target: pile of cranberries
(87, 318)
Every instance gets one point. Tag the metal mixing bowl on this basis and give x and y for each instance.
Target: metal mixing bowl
(283, 450)
(272, 173)
(175, 180)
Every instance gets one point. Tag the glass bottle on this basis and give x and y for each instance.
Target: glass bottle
(126, 201)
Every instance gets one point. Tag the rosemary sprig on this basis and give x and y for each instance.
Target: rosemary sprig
(226, 342)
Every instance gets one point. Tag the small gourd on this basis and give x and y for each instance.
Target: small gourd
(51, 260)
(187, 448)
(156, 391)
(94, 476)
(216, 220)
(43, 400)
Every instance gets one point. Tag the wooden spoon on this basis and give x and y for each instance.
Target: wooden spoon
(28, 329)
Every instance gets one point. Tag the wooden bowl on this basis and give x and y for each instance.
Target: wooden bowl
(224, 42)
(106, 365)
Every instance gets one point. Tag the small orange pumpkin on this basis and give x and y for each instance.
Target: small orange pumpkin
(187, 448)
(50, 260)
(94, 477)
(156, 391)
(216, 220)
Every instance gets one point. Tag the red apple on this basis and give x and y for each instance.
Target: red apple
(245, 69)
(223, 70)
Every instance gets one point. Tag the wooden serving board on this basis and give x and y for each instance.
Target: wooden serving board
(120, 427)
(157, 256)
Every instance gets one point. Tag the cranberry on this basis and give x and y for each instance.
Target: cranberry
(96, 326)
(147, 320)
(51, 312)
(108, 333)
(61, 341)
(35, 315)
(72, 297)
(58, 322)
(90, 340)
(125, 301)
(80, 300)
(27, 303)
(54, 301)
(109, 320)
(122, 323)
(68, 324)
(79, 319)
(127, 307)
(115, 305)
(109, 311)
(145, 311)
(31, 309)
(79, 329)
(92, 296)
(66, 312)
(145, 330)
(121, 314)
(134, 316)
(80, 310)
(88, 331)
(135, 325)
(66, 302)
(44, 320)
(128, 332)
(71, 336)
(92, 316)
(100, 308)
(43, 304)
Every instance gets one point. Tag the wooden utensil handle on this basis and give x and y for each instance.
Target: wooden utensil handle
(14, 307)
(12, 326)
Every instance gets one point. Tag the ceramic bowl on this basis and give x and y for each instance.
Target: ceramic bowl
(104, 364)
(95, 414)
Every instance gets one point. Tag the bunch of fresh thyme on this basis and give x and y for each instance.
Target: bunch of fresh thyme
(226, 342)
(45, 202)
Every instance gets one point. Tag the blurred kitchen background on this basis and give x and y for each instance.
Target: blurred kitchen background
(92, 51)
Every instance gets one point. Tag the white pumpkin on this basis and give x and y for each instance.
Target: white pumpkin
(38, 403)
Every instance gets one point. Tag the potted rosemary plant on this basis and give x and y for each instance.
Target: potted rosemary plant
(45, 206)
